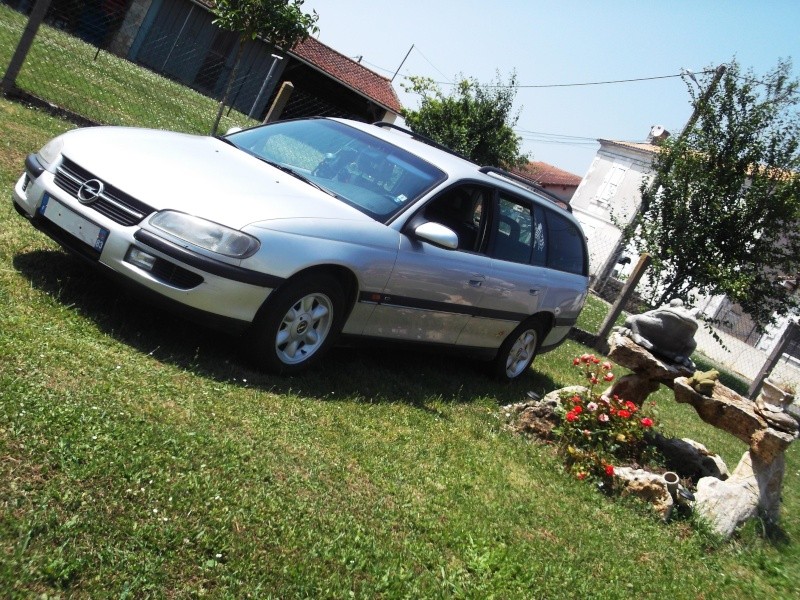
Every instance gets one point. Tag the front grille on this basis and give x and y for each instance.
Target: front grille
(113, 202)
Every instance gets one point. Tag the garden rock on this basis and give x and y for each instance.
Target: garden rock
(691, 459)
(646, 486)
(667, 331)
(728, 411)
(753, 489)
(649, 371)
(535, 418)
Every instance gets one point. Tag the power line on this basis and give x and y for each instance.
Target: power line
(557, 85)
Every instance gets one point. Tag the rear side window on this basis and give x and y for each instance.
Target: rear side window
(513, 233)
(565, 248)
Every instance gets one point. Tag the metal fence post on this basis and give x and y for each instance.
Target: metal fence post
(26, 41)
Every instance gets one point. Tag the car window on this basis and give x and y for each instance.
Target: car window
(540, 236)
(370, 174)
(565, 247)
(462, 209)
(513, 230)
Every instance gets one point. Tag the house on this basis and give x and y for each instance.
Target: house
(609, 194)
(608, 198)
(561, 184)
(177, 38)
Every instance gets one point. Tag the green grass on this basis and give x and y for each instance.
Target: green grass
(141, 458)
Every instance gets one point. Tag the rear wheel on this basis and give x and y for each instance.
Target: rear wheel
(298, 324)
(518, 351)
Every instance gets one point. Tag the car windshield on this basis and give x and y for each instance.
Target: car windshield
(372, 175)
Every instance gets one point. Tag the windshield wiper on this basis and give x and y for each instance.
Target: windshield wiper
(222, 138)
(297, 175)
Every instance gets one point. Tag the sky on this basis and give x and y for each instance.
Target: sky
(556, 42)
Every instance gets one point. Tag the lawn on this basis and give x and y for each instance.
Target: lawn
(140, 457)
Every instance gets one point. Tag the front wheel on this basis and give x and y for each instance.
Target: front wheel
(518, 351)
(298, 324)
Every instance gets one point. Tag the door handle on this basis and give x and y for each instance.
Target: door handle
(477, 280)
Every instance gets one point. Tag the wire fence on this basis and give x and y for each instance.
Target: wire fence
(133, 62)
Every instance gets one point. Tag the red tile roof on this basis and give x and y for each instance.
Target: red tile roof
(345, 70)
(349, 72)
(548, 175)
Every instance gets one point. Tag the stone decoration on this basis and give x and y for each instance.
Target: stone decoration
(755, 486)
(667, 331)
(649, 371)
(768, 426)
(754, 489)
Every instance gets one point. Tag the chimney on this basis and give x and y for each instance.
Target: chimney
(657, 135)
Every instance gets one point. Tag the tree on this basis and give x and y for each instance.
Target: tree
(476, 120)
(281, 22)
(721, 212)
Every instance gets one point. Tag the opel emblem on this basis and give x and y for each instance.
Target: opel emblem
(90, 191)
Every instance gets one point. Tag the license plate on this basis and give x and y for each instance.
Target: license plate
(72, 222)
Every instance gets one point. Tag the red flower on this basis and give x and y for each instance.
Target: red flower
(624, 414)
(585, 358)
(646, 422)
(609, 470)
(631, 406)
(607, 366)
(571, 416)
(576, 360)
(608, 377)
(576, 399)
(577, 409)
(581, 476)
(593, 379)
(595, 360)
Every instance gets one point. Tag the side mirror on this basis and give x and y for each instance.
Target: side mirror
(437, 234)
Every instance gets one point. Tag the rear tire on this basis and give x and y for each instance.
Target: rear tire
(298, 324)
(518, 351)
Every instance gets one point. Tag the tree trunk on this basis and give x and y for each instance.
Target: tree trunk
(229, 85)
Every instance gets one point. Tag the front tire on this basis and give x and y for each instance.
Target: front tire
(298, 324)
(518, 351)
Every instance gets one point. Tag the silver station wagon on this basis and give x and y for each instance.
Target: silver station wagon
(301, 233)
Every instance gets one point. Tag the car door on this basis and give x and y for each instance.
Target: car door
(514, 287)
(433, 291)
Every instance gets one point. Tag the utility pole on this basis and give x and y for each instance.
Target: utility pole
(401, 63)
(655, 182)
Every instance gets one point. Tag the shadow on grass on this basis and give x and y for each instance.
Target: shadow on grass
(368, 374)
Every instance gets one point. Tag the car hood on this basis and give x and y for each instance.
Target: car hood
(200, 175)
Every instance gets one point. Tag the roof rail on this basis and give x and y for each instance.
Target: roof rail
(420, 138)
(532, 185)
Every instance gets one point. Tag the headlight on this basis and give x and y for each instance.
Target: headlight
(206, 234)
(50, 152)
